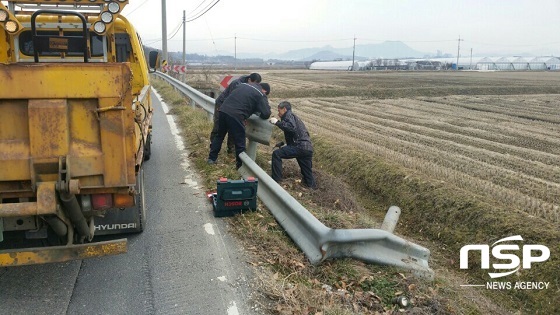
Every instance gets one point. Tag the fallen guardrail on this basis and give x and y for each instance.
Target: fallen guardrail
(317, 241)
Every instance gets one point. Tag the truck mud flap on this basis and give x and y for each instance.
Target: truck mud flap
(54, 254)
(118, 221)
(128, 220)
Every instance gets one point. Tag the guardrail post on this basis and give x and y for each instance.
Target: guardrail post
(391, 219)
(252, 150)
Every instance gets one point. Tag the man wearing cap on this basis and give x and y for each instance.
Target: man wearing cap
(252, 78)
(245, 100)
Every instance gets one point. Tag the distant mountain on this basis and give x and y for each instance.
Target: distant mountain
(388, 49)
(328, 55)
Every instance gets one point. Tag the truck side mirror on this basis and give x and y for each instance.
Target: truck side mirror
(153, 61)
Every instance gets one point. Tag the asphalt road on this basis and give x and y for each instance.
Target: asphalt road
(183, 263)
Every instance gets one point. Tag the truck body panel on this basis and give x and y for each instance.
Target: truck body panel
(75, 127)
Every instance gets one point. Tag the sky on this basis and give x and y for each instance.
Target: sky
(268, 26)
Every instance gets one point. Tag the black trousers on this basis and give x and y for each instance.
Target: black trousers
(233, 126)
(304, 159)
(214, 131)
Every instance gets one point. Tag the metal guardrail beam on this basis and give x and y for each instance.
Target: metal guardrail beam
(319, 242)
(257, 129)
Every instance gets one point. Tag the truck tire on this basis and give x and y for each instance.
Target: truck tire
(141, 201)
(148, 147)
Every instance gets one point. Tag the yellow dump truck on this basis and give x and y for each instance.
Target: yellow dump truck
(75, 129)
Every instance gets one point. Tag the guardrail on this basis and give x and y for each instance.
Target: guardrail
(257, 129)
(320, 242)
(317, 241)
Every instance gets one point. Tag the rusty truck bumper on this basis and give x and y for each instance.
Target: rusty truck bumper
(43, 255)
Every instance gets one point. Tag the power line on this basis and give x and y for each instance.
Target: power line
(177, 28)
(201, 14)
(177, 31)
(213, 40)
(409, 41)
(513, 45)
(138, 7)
(196, 8)
(295, 41)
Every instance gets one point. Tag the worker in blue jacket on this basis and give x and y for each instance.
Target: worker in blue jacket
(298, 145)
(252, 78)
(245, 100)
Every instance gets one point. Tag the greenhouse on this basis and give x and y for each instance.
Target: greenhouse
(514, 63)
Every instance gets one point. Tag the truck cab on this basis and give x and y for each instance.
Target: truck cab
(75, 129)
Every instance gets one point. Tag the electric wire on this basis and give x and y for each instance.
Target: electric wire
(201, 14)
(210, 6)
(198, 6)
(175, 30)
(138, 7)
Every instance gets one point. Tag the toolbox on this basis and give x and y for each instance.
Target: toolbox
(234, 196)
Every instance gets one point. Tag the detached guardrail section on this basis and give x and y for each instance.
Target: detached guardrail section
(320, 242)
(317, 241)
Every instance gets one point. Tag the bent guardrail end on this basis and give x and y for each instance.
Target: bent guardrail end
(377, 247)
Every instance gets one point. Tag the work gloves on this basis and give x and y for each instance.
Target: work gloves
(273, 120)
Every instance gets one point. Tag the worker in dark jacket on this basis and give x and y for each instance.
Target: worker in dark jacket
(252, 78)
(298, 145)
(245, 100)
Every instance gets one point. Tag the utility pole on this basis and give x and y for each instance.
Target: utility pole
(353, 53)
(235, 52)
(470, 67)
(184, 38)
(458, 49)
(184, 75)
(164, 30)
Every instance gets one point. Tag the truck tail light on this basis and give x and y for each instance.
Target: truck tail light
(123, 201)
(102, 201)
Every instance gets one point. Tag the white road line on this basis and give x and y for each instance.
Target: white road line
(189, 179)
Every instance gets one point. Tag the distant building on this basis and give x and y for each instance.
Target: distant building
(335, 65)
(515, 63)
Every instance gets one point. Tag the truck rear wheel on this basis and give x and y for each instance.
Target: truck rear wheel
(148, 147)
(141, 200)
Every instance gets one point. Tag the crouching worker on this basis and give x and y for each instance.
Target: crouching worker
(298, 145)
